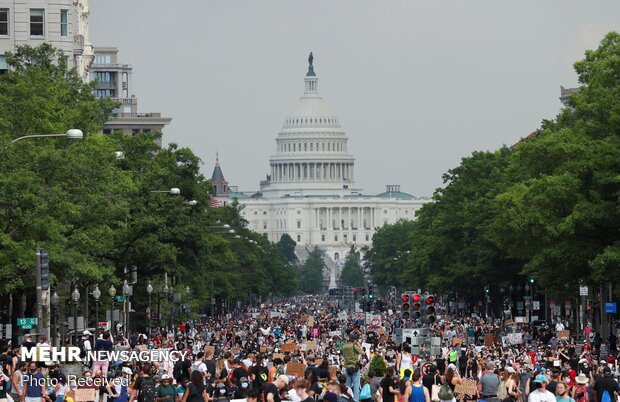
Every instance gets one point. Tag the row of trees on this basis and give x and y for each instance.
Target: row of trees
(546, 208)
(94, 203)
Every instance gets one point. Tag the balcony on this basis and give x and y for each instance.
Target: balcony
(106, 85)
(143, 115)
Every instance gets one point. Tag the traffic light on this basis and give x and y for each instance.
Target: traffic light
(371, 292)
(416, 306)
(363, 293)
(430, 308)
(354, 293)
(405, 307)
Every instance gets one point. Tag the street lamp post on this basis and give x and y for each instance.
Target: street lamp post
(166, 290)
(55, 300)
(149, 290)
(96, 296)
(75, 296)
(72, 134)
(126, 293)
(112, 293)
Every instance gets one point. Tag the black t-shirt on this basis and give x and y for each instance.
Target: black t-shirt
(441, 365)
(429, 380)
(317, 388)
(386, 383)
(238, 374)
(605, 383)
(273, 390)
(210, 366)
(552, 386)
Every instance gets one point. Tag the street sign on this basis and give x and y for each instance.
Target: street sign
(611, 308)
(535, 305)
(119, 298)
(26, 323)
(583, 290)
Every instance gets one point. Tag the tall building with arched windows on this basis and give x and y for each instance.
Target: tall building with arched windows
(310, 192)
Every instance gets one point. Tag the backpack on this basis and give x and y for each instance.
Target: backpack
(177, 370)
(402, 386)
(445, 393)
(80, 344)
(581, 394)
(365, 393)
(147, 389)
(606, 397)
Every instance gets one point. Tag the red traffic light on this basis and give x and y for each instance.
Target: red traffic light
(430, 299)
(405, 297)
(416, 297)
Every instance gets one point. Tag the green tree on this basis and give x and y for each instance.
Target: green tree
(312, 273)
(287, 247)
(352, 274)
(562, 214)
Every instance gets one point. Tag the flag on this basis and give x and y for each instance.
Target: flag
(213, 203)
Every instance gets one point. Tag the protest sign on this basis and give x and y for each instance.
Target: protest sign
(467, 387)
(295, 369)
(289, 347)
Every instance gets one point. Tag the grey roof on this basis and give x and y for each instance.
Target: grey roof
(395, 194)
(217, 176)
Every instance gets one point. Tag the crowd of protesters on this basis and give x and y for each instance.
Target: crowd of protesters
(307, 350)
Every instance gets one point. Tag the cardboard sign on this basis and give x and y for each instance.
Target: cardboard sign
(295, 369)
(468, 387)
(457, 342)
(335, 333)
(564, 335)
(311, 321)
(343, 315)
(211, 349)
(318, 362)
(85, 394)
(278, 356)
(289, 347)
(489, 340)
(333, 372)
(311, 345)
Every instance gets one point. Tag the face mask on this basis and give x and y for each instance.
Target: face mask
(244, 385)
(222, 391)
(567, 380)
(33, 370)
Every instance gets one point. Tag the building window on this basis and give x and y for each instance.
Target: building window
(265, 225)
(385, 211)
(64, 22)
(367, 237)
(3, 66)
(255, 212)
(107, 131)
(299, 212)
(4, 21)
(103, 77)
(37, 21)
(336, 237)
(264, 212)
(322, 237)
(354, 237)
(298, 224)
(298, 238)
(103, 59)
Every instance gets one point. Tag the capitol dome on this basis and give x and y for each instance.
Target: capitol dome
(311, 149)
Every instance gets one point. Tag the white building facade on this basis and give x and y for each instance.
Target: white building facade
(311, 194)
(61, 23)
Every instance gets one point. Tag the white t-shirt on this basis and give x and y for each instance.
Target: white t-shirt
(559, 327)
(538, 396)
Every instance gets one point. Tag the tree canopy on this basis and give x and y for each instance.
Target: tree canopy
(546, 208)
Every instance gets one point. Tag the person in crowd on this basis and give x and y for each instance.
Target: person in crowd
(541, 394)
(415, 391)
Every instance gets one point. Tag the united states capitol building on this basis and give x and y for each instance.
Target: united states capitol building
(310, 192)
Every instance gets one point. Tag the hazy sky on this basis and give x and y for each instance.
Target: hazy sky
(417, 84)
